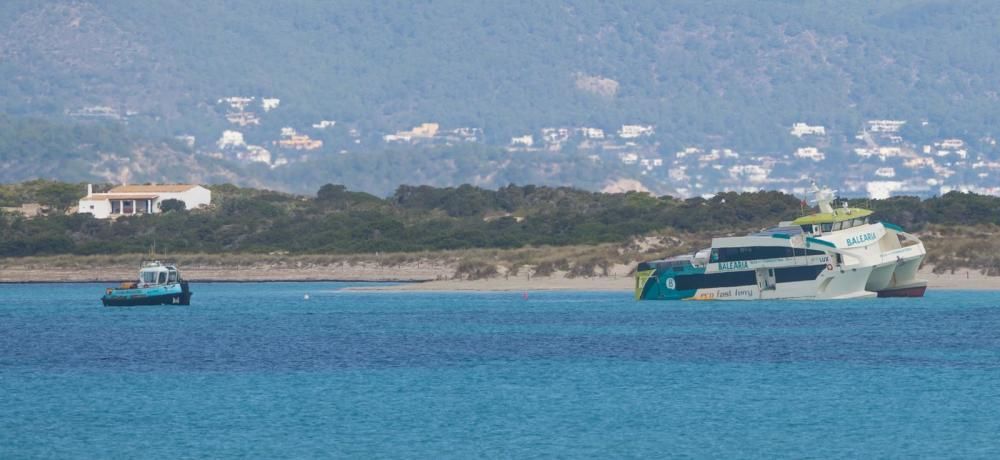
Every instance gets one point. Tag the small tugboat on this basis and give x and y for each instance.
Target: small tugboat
(159, 284)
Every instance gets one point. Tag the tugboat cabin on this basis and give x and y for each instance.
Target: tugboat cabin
(158, 274)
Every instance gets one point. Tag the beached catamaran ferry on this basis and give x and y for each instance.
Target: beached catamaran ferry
(834, 254)
(159, 284)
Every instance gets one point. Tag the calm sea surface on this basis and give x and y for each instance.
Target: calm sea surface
(255, 370)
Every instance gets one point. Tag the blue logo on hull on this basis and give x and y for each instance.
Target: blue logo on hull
(737, 265)
(861, 239)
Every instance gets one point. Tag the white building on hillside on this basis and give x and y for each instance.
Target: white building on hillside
(752, 173)
(950, 144)
(634, 131)
(127, 200)
(238, 103)
(885, 126)
(811, 153)
(592, 133)
(269, 103)
(886, 172)
(526, 140)
(231, 139)
(802, 129)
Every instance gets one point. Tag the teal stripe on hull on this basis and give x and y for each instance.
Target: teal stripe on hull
(662, 286)
(153, 295)
(892, 226)
(820, 242)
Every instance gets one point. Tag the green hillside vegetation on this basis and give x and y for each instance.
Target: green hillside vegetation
(58, 196)
(423, 218)
(36, 148)
(382, 170)
(39, 148)
(413, 219)
(736, 71)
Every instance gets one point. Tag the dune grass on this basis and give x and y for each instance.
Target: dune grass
(949, 248)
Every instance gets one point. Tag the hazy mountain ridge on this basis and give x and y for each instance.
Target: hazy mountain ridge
(31, 148)
(716, 74)
(691, 68)
(64, 56)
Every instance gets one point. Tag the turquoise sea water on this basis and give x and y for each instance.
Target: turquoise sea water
(255, 370)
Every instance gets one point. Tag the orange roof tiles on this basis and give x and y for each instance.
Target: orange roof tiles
(166, 188)
(121, 196)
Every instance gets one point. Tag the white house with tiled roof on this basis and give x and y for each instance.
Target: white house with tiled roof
(127, 200)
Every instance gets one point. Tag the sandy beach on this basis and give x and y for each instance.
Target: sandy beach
(423, 276)
(961, 279)
(38, 273)
(520, 284)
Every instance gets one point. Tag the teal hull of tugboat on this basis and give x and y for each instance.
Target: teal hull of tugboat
(169, 294)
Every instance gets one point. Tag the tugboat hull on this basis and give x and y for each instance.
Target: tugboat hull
(174, 294)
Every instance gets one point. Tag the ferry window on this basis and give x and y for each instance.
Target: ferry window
(827, 227)
(713, 280)
(836, 226)
(751, 253)
(163, 278)
(116, 207)
(148, 277)
(807, 228)
(800, 273)
(858, 222)
(173, 276)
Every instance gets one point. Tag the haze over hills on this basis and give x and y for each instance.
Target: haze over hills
(718, 84)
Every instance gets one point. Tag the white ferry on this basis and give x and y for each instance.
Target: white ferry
(834, 254)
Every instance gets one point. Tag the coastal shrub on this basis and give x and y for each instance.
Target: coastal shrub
(589, 267)
(549, 267)
(475, 270)
(557, 228)
(173, 204)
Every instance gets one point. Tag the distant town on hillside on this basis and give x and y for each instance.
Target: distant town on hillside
(878, 160)
(686, 98)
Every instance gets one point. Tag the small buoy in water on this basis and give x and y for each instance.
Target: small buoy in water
(305, 297)
(525, 296)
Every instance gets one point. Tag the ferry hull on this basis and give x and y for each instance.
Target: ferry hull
(904, 282)
(796, 282)
(177, 294)
(911, 291)
(881, 277)
(835, 254)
